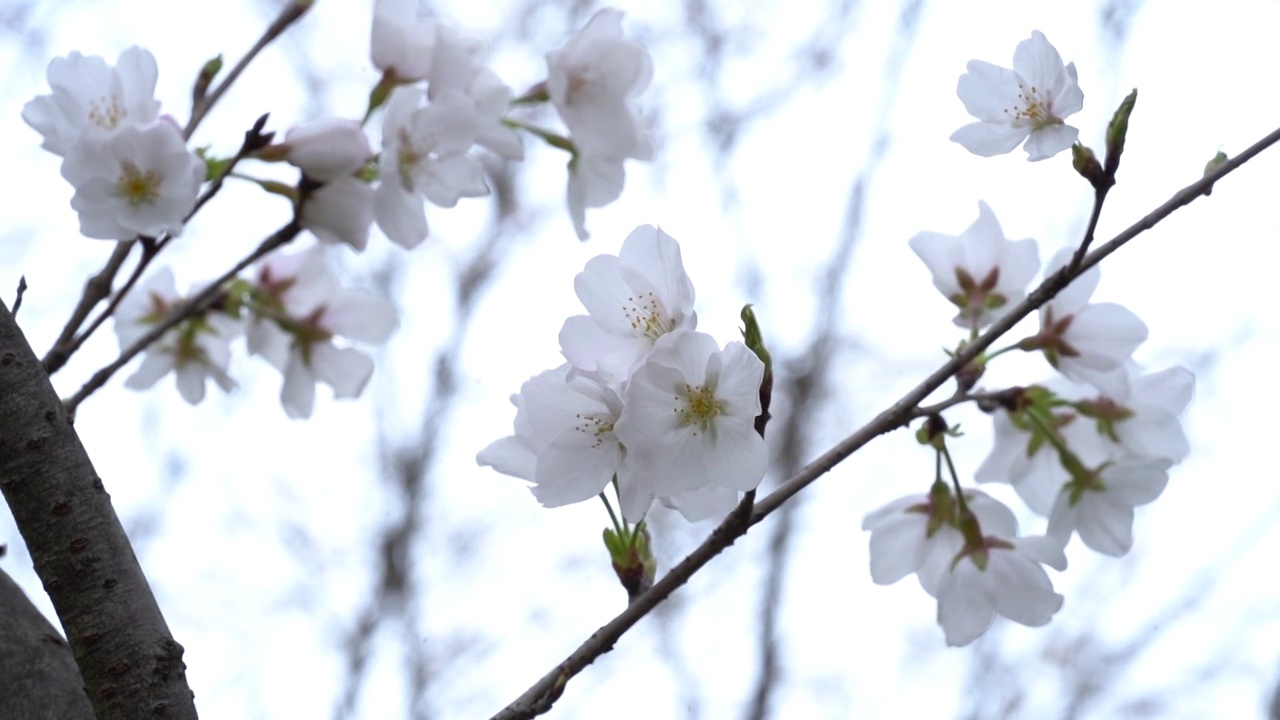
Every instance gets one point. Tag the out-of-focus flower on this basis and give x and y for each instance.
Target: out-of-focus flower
(340, 211)
(424, 153)
(1002, 577)
(89, 94)
(1100, 506)
(1027, 103)
(138, 180)
(301, 309)
(197, 349)
(327, 148)
(593, 82)
(920, 534)
(404, 39)
(593, 79)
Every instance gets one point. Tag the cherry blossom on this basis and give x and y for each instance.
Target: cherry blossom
(594, 182)
(340, 211)
(1002, 577)
(327, 148)
(1027, 103)
(404, 39)
(1100, 506)
(303, 310)
(458, 70)
(424, 153)
(195, 350)
(138, 180)
(1087, 342)
(457, 61)
(89, 94)
(919, 534)
(564, 441)
(1034, 469)
(980, 271)
(593, 81)
(688, 419)
(632, 300)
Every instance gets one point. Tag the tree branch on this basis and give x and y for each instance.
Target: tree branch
(539, 698)
(130, 663)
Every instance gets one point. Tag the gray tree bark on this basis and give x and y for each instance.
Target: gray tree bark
(39, 679)
(130, 664)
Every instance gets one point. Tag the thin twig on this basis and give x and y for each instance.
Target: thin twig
(192, 307)
(96, 289)
(954, 400)
(1099, 197)
(543, 694)
(288, 16)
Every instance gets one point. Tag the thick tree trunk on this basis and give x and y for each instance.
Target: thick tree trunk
(39, 679)
(131, 666)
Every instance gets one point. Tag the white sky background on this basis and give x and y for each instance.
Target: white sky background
(257, 532)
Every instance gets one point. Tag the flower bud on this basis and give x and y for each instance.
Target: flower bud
(1086, 163)
(327, 148)
(1117, 129)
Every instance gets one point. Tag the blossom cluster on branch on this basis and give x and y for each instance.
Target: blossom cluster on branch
(645, 405)
(136, 180)
(645, 402)
(1082, 450)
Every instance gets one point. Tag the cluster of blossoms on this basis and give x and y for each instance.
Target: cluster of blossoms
(441, 101)
(135, 178)
(1083, 450)
(289, 312)
(645, 401)
(130, 166)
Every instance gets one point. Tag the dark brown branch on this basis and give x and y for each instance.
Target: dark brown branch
(131, 665)
(539, 698)
(96, 289)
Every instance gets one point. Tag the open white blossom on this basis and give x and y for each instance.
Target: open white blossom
(593, 81)
(1027, 103)
(980, 271)
(1004, 577)
(403, 40)
(632, 300)
(89, 94)
(424, 153)
(196, 350)
(1100, 509)
(1087, 342)
(340, 211)
(688, 420)
(138, 180)
(307, 310)
(564, 441)
(920, 534)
